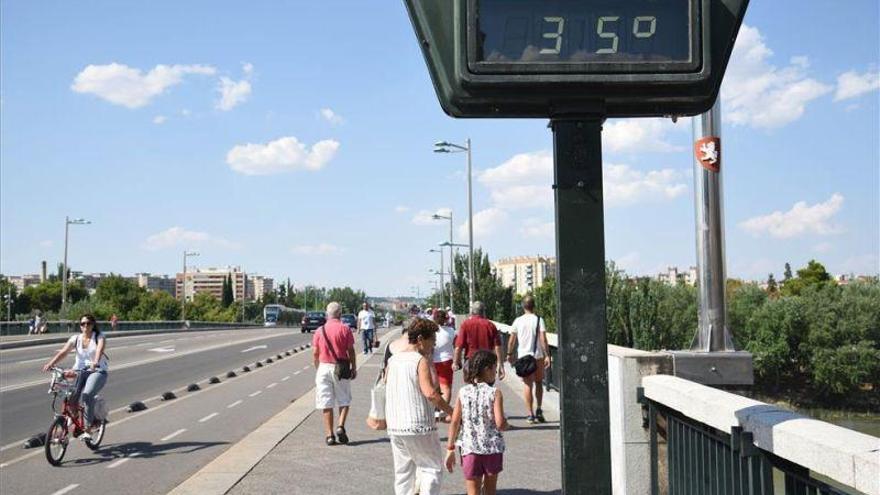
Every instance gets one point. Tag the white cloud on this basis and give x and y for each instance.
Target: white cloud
(851, 84)
(641, 135)
(823, 247)
(401, 209)
(185, 112)
(316, 249)
(330, 116)
(130, 87)
(800, 219)
(425, 217)
(247, 68)
(178, 236)
(624, 185)
(537, 228)
(159, 119)
(485, 223)
(282, 155)
(232, 93)
(759, 94)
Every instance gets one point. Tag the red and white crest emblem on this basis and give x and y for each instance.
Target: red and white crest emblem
(708, 152)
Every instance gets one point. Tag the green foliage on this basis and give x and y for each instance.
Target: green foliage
(741, 305)
(157, 305)
(46, 297)
(545, 303)
(119, 294)
(811, 275)
(205, 307)
(228, 296)
(350, 299)
(487, 287)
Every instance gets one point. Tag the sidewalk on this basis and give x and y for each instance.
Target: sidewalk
(302, 464)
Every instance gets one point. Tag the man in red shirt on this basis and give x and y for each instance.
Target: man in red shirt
(477, 333)
(330, 391)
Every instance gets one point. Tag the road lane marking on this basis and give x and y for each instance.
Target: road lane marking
(230, 406)
(129, 417)
(271, 384)
(152, 360)
(254, 348)
(209, 417)
(169, 437)
(166, 341)
(305, 368)
(162, 349)
(258, 392)
(297, 372)
(66, 489)
(285, 378)
(124, 460)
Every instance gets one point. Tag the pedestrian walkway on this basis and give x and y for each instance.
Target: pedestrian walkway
(303, 464)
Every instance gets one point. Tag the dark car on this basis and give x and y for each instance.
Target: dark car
(312, 321)
(351, 321)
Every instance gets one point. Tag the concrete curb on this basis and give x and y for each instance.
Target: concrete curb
(224, 472)
(132, 333)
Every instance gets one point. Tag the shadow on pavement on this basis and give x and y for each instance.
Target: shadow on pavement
(365, 442)
(144, 450)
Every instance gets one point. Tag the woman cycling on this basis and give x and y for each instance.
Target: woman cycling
(91, 363)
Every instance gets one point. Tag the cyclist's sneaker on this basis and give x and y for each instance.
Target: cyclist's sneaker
(85, 437)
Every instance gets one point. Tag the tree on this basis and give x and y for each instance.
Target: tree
(8, 289)
(228, 296)
(119, 294)
(46, 297)
(787, 274)
(545, 302)
(158, 305)
(812, 274)
(487, 287)
(772, 287)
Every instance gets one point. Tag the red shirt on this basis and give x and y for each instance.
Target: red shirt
(340, 338)
(476, 334)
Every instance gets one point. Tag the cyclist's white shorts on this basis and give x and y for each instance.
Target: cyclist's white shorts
(330, 392)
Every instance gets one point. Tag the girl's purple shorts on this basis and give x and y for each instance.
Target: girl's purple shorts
(476, 465)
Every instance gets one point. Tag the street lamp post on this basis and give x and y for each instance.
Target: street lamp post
(8, 298)
(446, 147)
(186, 254)
(442, 280)
(64, 271)
(451, 258)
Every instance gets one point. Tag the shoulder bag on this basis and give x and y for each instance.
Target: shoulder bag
(527, 365)
(342, 369)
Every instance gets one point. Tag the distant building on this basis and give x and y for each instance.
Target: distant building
(89, 281)
(155, 283)
(673, 276)
(524, 273)
(210, 280)
(258, 286)
(22, 281)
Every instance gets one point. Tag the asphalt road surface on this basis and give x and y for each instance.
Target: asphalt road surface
(164, 445)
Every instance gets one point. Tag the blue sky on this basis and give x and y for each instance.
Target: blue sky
(294, 139)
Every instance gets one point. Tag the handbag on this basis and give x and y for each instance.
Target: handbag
(527, 365)
(376, 417)
(342, 368)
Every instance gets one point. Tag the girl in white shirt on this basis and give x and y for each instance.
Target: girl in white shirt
(443, 353)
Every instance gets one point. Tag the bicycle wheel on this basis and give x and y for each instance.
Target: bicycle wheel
(57, 440)
(97, 435)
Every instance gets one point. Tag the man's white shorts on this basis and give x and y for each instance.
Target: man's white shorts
(330, 392)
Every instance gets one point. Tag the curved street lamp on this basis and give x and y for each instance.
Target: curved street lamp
(64, 270)
(447, 147)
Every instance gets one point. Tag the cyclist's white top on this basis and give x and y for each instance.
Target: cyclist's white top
(85, 356)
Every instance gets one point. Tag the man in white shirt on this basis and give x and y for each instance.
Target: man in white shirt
(367, 327)
(528, 336)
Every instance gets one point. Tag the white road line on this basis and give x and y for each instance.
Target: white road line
(230, 406)
(297, 372)
(123, 460)
(66, 489)
(169, 437)
(258, 392)
(285, 378)
(271, 384)
(209, 417)
(166, 341)
(305, 368)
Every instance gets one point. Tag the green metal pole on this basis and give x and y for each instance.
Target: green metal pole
(580, 293)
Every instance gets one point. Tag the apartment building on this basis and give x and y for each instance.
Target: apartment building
(524, 273)
(155, 282)
(210, 280)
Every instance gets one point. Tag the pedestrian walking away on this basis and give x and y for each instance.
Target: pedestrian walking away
(411, 395)
(366, 326)
(444, 351)
(477, 333)
(91, 364)
(477, 422)
(335, 364)
(528, 341)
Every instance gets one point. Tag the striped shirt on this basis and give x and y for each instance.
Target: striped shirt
(407, 411)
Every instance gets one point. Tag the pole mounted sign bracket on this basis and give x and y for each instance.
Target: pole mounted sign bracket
(558, 58)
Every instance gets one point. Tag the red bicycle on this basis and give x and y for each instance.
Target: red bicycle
(70, 422)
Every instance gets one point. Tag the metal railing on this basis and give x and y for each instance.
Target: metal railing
(701, 460)
(69, 326)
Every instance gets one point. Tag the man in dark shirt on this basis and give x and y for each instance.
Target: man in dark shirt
(477, 333)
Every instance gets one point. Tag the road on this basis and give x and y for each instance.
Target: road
(165, 444)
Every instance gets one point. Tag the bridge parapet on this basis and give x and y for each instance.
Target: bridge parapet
(719, 442)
